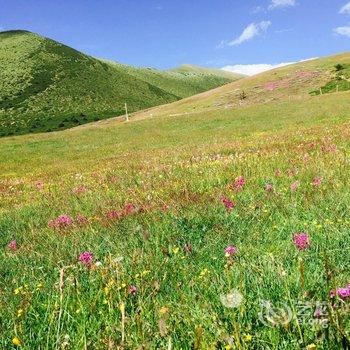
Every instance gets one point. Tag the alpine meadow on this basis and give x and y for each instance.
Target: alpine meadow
(212, 214)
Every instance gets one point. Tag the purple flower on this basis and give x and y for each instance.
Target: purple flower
(230, 250)
(301, 240)
(60, 222)
(86, 258)
(239, 183)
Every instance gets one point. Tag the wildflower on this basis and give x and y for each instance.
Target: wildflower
(80, 190)
(248, 337)
(278, 172)
(61, 222)
(176, 250)
(229, 205)
(86, 258)
(163, 310)
(232, 300)
(301, 240)
(118, 259)
(230, 250)
(239, 183)
(16, 341)
(39, 185)
(165, 207)
(98, 263)
(294, 186)
(12, 245)
(311, 347)
(317, 181)
(343, 293)
(269, 188)
(113, 214)
(132, 289)
(129, 208)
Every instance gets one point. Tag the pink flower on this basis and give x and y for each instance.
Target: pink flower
(317, 181)
(39, 185)
(12, 245)
(239, 183)
(132, 289)
(165, 207)
(294, 186)
(229, 205)
(80, 190)
(129, 208)
(343, 293)
(301, 240)
(63, 221)
(86, 258)
(269, 188)
(113, 214)
(230, 250)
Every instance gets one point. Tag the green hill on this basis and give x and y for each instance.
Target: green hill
(46, 86)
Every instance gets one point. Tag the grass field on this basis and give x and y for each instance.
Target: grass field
(177, 232)
(46, 86)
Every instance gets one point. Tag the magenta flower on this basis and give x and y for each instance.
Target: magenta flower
(301, 240)
(343, 293)
(86, 258)
(230, 250)
(317, 181)
(132, 289)
(12, 245)
(113, 214)
(269, 188)
(229, 205)
(294, 186)
(129, 208)
(239, 183)
(63, 221)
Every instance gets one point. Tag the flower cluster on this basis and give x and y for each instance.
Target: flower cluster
(61, 222)
(239, 183)
(86, 258)
(230, 251)
(343, 293)
(229, 205)
(301, 240)
(12, 245)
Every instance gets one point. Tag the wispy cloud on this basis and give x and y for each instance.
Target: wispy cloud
(342, 31)
(252, 69)
(345, 9)
(281, 4)
(251, 31)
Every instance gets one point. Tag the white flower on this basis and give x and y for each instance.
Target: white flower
(118, 259)
(98, 263)
(232, 300)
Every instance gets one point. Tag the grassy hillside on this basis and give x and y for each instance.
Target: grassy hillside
(291, 83)
(46, 86)
(155, 203)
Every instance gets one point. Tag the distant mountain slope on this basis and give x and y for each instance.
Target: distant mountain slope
(46, 86)
(293, 83)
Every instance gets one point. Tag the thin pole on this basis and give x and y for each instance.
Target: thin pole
(126, 113)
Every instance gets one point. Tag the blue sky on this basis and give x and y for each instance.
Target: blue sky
(165, 34)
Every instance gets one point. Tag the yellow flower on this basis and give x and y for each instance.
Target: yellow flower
(163, 310)
(19, 312)
(311, 347)
(16, 341)
(228, 347)
(248, 337)
(176, 250)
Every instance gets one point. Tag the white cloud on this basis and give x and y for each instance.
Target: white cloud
(345, 9)
(252, 69)
(249, 33)
(281, 3)
(342, 31)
